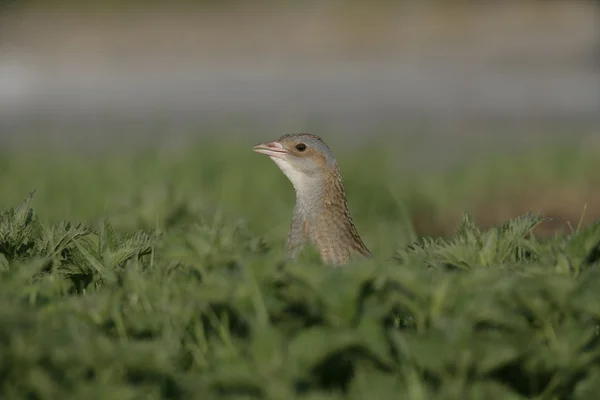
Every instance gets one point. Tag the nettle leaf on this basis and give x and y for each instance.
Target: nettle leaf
(19, 231)
(472, 248)
(99, 253)
(452, 346)
(521, 225)
(211, 246)
(462, 253)
(589, 387)
(236, 375)
(467, 228)
(370, 383)
(489, 247)
(419, 251)
(128, 247)
(583, 248)
(60, 237)
(108, 237)
(430, 351)
(585, 294)
(92, 259)
(516, 234)
(4, 265)
(267, 350)
(339, 292)
(490, 390)
(375, 340)
(313, 347)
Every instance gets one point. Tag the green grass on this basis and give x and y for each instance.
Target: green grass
(160, 274)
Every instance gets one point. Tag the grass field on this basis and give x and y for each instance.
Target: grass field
(160, 274)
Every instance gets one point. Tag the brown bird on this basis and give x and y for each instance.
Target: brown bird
(321, 216)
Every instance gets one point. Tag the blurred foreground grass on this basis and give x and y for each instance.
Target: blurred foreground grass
(174, 284)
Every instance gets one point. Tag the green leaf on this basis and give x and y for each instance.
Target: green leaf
(583, 247)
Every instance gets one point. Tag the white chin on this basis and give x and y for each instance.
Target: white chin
(298, 179)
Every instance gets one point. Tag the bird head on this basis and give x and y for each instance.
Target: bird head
(303, 158)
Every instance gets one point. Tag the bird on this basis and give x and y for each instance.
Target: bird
(321, 216)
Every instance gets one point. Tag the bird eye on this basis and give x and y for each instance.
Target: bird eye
(300, 147)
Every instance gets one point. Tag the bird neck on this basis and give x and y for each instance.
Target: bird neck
(321, 197)
(321, 217)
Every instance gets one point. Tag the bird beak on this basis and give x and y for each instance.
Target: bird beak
(271, 149)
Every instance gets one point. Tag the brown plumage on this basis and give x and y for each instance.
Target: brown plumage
(321, 216)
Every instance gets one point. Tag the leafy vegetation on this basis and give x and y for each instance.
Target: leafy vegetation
(174, 285)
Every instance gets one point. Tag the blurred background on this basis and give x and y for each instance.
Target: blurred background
(495, 101)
